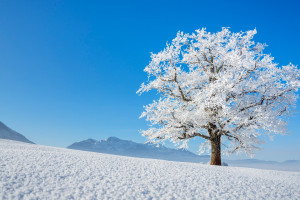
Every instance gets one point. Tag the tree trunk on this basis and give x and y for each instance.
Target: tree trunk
(216, 151)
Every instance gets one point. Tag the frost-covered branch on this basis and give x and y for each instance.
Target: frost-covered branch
(218, 85)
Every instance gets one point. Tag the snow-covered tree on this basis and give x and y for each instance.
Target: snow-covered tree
(220, 87)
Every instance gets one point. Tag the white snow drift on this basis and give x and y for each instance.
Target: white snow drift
(30, 171)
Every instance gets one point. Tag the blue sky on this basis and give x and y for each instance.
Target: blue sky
(69, 70)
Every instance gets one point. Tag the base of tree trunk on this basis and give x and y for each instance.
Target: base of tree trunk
(216, 151)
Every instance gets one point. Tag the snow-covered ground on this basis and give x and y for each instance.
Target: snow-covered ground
(30, 171)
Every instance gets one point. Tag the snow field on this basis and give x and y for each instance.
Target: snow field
(38, 172)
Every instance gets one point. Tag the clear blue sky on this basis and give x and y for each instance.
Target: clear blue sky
(69, 70)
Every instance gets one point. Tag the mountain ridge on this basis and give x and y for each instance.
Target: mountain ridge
(9, 134)
(116, 146)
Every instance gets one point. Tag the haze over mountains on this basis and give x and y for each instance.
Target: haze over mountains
(116, 146)
(9, 134)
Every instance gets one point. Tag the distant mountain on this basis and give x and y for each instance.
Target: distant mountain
(9, 134)
(288, 165)
(113, 145)
(116, 146)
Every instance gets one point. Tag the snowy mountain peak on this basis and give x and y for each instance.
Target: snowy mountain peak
(91, 140)
(112, 139)
(9, 134)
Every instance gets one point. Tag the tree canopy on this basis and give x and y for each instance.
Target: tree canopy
(221, 87)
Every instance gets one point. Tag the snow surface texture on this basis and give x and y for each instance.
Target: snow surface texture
(7, 133)
(116, 146)
(38, 172)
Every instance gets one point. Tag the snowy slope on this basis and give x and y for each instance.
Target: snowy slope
(114, 145)
(38, 172)
(7, 133)
(117, 146)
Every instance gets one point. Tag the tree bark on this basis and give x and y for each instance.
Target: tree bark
(216, 151)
